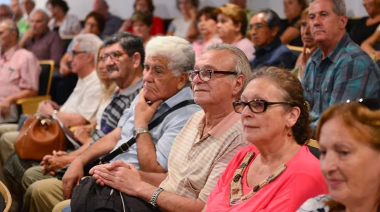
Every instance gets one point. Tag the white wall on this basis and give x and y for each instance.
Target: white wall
(167, 8)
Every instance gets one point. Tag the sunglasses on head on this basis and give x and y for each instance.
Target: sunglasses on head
(370, 103)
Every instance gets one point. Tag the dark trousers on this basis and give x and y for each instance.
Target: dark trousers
(62, 87)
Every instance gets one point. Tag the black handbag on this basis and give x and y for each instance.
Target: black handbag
(125, 146)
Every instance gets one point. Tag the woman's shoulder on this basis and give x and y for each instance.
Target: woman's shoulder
(315, 204)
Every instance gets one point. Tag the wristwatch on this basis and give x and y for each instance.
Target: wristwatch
(139, 131)
(54, 114)
(153, 200)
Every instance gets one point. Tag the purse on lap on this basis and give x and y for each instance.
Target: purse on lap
(38, 137)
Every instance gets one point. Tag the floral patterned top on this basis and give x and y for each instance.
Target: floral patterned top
(315, 204)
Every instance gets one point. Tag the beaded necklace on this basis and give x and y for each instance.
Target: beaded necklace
(236, 186)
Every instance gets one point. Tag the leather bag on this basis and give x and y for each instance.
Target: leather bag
(38, 137)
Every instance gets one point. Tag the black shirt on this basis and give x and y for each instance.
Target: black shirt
(296, 23)
(359, 31)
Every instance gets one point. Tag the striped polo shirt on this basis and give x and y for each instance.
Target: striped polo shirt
(195, 163)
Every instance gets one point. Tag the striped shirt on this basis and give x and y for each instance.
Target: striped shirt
(346, 73)
(112, 113)
(195, 164)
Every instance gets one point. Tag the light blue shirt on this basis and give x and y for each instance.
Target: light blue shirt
(164, 134)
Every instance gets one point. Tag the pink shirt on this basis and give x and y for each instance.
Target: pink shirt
(247, 47)
(199, 46)
(19, 69)
(301, 180)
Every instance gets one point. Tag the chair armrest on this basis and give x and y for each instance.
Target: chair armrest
(30, 105)
(313, 143)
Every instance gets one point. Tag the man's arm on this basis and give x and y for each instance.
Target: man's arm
(22, 94)
(56, 50)
(146, 154)
(154, 179)
(71, 119)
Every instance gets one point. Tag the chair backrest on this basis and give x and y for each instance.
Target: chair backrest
(7, 196)
(295, 49)
(46, 76)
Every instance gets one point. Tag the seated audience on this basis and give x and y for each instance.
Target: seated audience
(17, 12)
(145, 6)
(180, 25)
(277, 171)
(113, 23)
(66, 25)
(339, 69)
(243, 5)
(207, 20)
(290, 27)
(349, 139)
(371, 45)
(309, 45)
(45, 44)
(27, 7)
(5, 12)
(269, 51)
(361, 29)
(165, 85)
(203, 148)
(19, 70)
(232, 26)
(141, 24)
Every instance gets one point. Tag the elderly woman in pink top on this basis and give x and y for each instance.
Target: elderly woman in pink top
(278, 172)
(232, 26)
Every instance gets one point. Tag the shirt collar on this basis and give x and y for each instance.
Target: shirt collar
(269, 47)
(336, 53)
(131, 89)
(89, 77)
(180, 96)
(222, 126)
(8, 54)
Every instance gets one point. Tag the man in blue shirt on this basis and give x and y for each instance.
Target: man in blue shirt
(113, 23)
(339, 70)
(270, 51)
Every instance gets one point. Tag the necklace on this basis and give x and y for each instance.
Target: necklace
(236, 186)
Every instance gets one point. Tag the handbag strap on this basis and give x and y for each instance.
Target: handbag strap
(125, 146)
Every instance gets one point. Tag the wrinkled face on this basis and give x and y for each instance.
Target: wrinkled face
(141, 29)
(185, 6)
(5, 36)
(350, 166)
(27, 6)
(292, 9)
(260, 127)
(324, 23)
(226, 28)
(101, 67)
(141, 5)
(91, 26)
(260, 33)
(159, 81)
(4, 14)
(38, 23)
(371, 7)
(220, 88)
(15, 7)
(78, 59)
(240, 3)
(206, 25)
(307, 37)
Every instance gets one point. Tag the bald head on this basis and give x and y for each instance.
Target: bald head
(38, 22)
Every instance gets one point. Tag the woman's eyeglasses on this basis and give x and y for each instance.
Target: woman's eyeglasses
(256, 105)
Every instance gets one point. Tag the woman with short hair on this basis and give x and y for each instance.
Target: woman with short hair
(142, 25)
(66, 25)
(278, 171)
(349, 140)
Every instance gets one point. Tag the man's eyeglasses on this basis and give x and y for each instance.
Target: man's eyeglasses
(115, 56)
(75, 53)
(370, 103)
(257, 26)
(256, 105)
(205, 75)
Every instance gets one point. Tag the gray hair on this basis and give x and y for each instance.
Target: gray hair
(46, 17)
(88, 42)
(242, 66)
(271, 17)
(339, 6)
(11, 25)
(8, 9)
(178, 50)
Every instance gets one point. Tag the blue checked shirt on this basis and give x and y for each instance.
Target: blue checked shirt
(346, 73)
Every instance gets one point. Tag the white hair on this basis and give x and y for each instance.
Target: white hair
(178, 50)
(88, 42)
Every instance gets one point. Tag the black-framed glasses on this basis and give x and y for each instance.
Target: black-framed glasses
(75, 53)
(257, 26)
(370, 103)
(205, 75)
(115, 56)
(256, 105)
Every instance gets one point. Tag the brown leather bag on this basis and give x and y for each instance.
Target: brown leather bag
(39, 137)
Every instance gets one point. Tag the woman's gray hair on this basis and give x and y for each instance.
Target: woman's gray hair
(242, 66)
(46, 17)
(88, 42)
(178, 50)
(339, 6)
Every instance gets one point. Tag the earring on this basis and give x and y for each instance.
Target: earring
(289, 134)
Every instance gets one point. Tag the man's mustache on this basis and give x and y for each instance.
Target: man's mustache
(112, 68)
